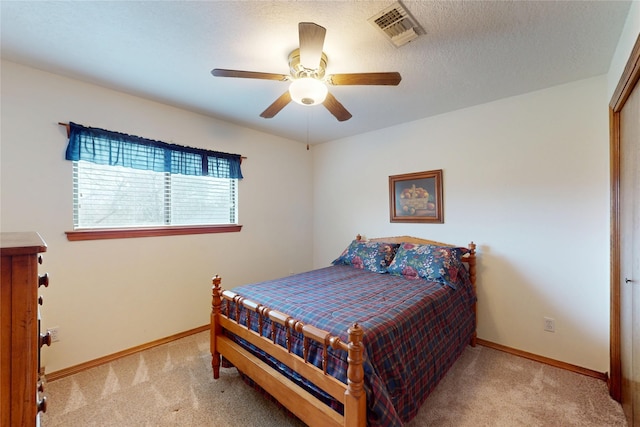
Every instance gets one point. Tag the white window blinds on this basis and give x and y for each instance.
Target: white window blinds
(115, 196)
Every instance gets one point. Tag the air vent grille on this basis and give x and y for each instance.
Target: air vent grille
(397, 24)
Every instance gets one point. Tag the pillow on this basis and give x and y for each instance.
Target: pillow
(441, 264)
(372, 256)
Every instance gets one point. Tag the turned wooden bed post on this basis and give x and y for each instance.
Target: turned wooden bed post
(355, 410)
(216, 329)
(472, 276)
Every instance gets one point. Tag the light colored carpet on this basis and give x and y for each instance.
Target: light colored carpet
(172, 385)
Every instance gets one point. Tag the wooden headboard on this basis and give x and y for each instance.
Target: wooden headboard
(405, 239)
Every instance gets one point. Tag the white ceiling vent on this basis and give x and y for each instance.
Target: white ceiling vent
(397, 24)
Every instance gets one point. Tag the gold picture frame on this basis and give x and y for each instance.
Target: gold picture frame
(416, 197)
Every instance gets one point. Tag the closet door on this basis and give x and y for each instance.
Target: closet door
(630, 255)
(624, 382)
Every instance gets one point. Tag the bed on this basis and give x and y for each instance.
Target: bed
(361, 342)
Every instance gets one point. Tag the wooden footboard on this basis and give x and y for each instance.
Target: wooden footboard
(300, 402)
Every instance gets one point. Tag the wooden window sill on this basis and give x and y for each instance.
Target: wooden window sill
(129, 233)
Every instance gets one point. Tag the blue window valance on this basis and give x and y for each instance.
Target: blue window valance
(119, 149)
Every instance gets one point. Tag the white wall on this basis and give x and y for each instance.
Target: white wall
(526, 178)
(111, 295)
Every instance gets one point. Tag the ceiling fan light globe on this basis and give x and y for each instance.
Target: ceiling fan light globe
(308, 91)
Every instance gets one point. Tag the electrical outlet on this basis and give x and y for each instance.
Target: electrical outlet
(549, 324)
(55, 333)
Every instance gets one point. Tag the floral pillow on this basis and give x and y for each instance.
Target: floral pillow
(434, 263)
(373, 256)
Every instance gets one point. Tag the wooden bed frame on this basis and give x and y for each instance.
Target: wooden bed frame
(297, 400)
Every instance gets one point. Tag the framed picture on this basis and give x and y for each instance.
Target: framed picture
(416, 197)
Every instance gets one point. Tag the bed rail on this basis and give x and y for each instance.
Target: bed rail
(301, 403)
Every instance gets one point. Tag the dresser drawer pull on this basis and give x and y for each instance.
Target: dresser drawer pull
(45, 339)
(43, 280)
(42, 405)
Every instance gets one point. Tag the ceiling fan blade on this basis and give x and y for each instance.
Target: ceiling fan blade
(389, 79)
(311, 41)
(219, 72)
(277, 105)
(336, 108)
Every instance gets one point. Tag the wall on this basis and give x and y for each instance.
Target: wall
(111, 295)
(526, 178)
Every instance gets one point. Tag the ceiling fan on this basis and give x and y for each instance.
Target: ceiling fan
(308, 81)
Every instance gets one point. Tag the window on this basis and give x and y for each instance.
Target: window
(115, 196)
(120, 181)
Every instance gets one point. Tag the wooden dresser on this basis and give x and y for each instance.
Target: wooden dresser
(21, 393)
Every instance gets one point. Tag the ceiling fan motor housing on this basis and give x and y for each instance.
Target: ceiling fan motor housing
(299, 71)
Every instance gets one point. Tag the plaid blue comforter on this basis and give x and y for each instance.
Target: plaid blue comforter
(414, 330)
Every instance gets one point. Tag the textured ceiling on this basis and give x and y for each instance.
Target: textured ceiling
(472, 52)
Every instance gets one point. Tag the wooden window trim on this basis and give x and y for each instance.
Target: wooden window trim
(129, 233)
